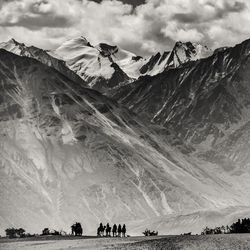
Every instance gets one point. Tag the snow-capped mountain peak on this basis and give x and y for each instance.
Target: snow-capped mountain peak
(15, 47)
(103, 66)
(41, 55)
(13, 41)
(77, 41)
(184, 52)
(181, 53)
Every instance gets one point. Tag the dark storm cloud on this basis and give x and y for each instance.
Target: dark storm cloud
(131, 2)
(229, 6)
(35, 23)
(236, 7)
(186, 17)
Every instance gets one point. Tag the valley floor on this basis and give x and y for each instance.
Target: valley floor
(194, 242)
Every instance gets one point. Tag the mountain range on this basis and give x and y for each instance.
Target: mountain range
(95, 133)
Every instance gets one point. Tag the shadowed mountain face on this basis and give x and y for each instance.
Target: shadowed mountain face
(69, 154)
(205, 102)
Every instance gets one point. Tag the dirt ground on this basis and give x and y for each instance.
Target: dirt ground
(193, 242)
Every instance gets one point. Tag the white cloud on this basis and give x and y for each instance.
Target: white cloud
(153, 26)
(35, 14)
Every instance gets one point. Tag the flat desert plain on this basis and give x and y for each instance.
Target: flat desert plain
(193, 242)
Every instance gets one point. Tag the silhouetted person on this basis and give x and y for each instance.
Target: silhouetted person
(100, 230)
(108, 230)
(76, 229)
(114, 230)
(124, 230)
(119, 230)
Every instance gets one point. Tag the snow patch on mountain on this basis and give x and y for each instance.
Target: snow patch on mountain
(15, 47)
(44, 56)
(181, 53)
(185, 52)
(84, 59)
(91, 62)
(105, 66)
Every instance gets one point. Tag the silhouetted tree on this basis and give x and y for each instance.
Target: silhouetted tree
(55, 232)
(150, 233)
(15, 232)
(241, 226)
(217, 230)
(21, 232)
(45, 231)
(11, 232)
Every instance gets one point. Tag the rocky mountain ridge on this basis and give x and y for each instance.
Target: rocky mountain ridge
(41, 55)
(172, 145)
(106, 67)
(205, 102)
(180, 54)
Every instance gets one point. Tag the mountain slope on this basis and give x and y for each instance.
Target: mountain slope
(69, 153)
(180, 54)
(205, 102)
(41, 55)
(98, 65)
(104, 67)
(107, 67)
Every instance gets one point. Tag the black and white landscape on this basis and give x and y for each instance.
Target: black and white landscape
(94, 132)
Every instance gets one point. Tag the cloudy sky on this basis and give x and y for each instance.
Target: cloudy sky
(142, 26)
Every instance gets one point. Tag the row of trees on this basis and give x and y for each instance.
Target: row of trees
(47, 231)
(216, 230)
(20, 232)
(241, 226)
(15, 232)
(148, 232)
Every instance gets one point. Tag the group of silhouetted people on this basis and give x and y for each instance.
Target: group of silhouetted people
(117, 231)
(76, 229)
